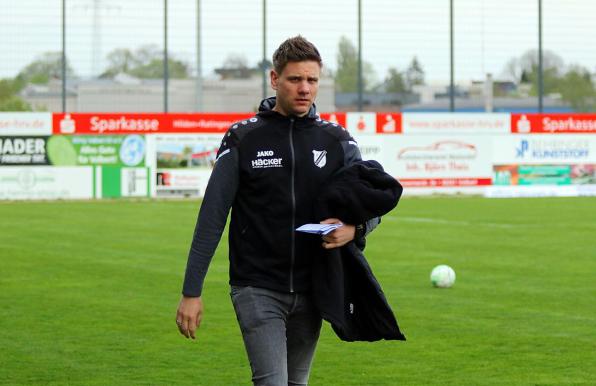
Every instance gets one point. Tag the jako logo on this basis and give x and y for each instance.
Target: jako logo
(263, 163)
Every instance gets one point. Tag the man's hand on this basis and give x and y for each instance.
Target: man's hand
(189, 315)
(339, 237)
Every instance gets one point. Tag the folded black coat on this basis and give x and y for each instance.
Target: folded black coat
(344, 288)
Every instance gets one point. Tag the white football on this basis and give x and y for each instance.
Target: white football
(442, 276)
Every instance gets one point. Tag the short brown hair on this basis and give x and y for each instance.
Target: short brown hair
(296, 49)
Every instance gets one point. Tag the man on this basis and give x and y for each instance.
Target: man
(268, 171)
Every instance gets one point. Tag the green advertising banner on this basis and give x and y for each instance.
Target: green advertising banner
(576, 174)
(545, 170)
(105, 150)
(115, 181)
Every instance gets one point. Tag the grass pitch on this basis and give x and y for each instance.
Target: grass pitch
(88, 293)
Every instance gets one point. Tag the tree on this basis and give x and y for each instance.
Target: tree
(414, 74)
(235, 66)
(9, 100)
(525, 68)
(264, 65)
(121, 60)
(14, 103)
(346, 76)
(573, 84)
(146, 62)
(45, 67)
(577, 88)
(550, 60)
(394, 81)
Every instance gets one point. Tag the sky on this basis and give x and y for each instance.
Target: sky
(487, 33)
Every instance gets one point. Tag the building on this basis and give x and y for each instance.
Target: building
(128, 94)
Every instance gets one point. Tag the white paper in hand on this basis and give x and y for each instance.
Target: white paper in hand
(319, 229)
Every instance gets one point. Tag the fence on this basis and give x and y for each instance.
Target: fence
(215, 53)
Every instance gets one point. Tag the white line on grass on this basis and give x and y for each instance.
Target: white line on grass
(454, 222)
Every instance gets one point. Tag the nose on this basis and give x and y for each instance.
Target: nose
(304, 87)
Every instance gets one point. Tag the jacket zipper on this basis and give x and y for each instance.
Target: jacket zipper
(293, 238)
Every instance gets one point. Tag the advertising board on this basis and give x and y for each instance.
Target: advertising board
(25, 123)
(144, 123)
(456, 123)
(46, 182)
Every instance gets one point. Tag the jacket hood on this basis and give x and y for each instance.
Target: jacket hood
(267, 105)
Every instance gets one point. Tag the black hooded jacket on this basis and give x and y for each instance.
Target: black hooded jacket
(269, 170)
(344, 288)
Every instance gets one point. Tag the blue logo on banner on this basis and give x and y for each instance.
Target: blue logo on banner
(132, 150)
(523, 148)
(553, 149)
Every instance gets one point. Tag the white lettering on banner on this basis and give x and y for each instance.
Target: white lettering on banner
(201, 124)
(123, 124)
(101, 159)
(95, 140)
(569, 124)
(22, 145)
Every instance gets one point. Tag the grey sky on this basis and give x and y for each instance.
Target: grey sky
(487, 32)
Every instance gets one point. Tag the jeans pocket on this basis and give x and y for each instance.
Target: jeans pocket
(236, 290)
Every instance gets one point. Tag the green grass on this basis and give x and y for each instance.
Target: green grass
(88, 293)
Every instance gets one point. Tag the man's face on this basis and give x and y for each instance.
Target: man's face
(296, 87)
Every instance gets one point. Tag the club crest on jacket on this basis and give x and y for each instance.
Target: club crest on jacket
(320, 157)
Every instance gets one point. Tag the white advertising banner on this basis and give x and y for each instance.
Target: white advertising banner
(182, 150)
(182, 182)
(46, 182)
(456, 123)
(371, 146)
(544, 149)
(182, 162)
(25, 123)
(540, 191)
(438, 161)
(361, 123)
(133, 182)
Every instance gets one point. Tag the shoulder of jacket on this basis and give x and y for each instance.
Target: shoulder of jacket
(334, 129)
(241, 128)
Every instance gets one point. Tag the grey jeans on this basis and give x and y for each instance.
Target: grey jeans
(280, 332)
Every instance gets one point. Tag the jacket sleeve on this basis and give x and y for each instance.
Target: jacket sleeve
(351, 156)
(218, 199)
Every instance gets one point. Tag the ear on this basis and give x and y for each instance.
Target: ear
(274, 79)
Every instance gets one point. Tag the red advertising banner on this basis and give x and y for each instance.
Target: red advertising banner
(444, 182)
(339, 118)
(553, 123)
(389, 123)
(141, 123)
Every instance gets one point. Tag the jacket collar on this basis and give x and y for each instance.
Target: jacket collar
(266, 109)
